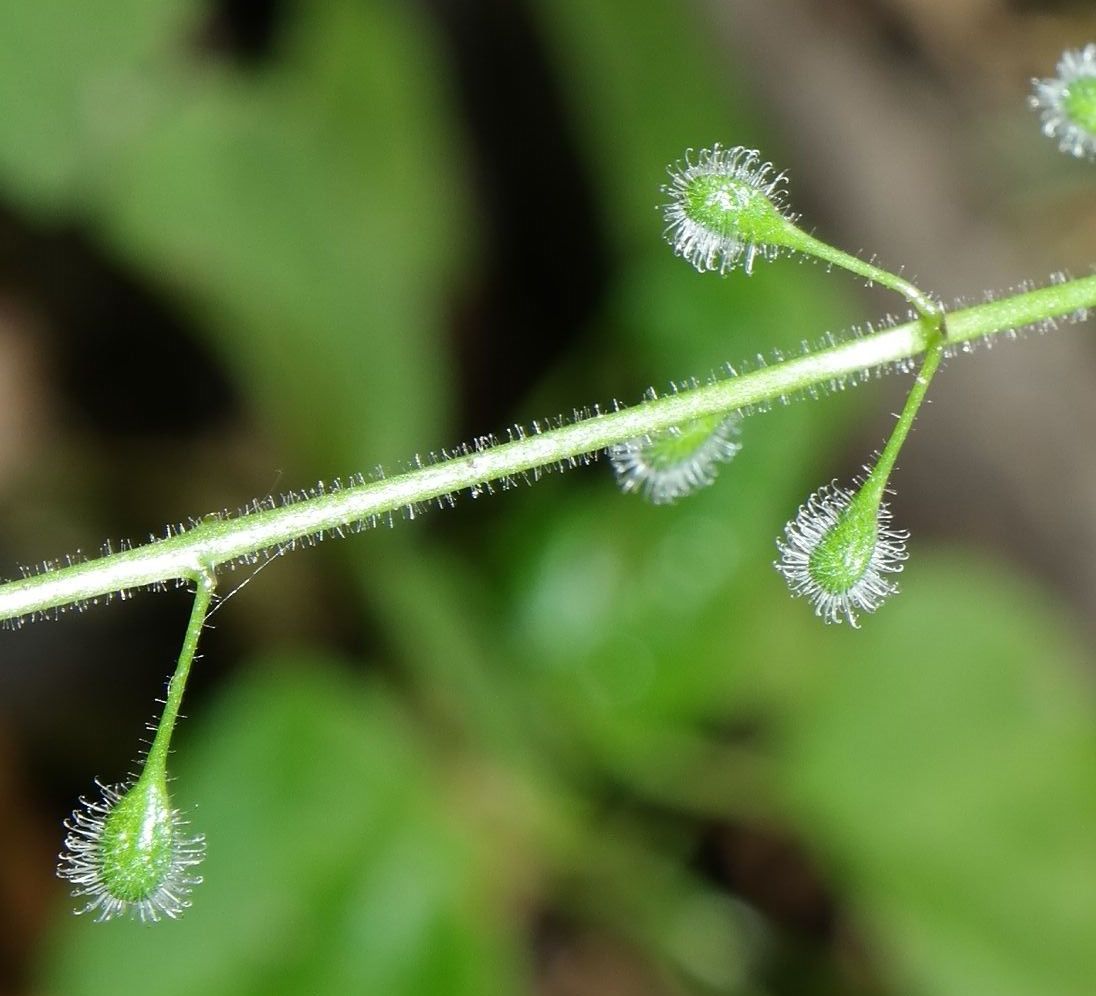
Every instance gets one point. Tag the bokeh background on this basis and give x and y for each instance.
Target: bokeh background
(553, 742)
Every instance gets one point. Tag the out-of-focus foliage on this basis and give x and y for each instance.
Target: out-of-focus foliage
(293, 209)
(581, 689)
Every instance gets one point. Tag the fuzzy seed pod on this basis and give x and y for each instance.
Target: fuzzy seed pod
(127, 852)
(837, 553)
(726, 209)
(669, 465)
(1067, 103)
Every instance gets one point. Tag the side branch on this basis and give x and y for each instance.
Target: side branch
(193, 554)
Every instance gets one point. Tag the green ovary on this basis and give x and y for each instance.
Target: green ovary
(137, 843)
(843, 556)
(672, 447)
(1080, 103)
(733, 209)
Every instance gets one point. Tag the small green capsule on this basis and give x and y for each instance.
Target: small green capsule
(128, 854)
(668, 465)
(726, 209)
(1067, 103)
(838, 551)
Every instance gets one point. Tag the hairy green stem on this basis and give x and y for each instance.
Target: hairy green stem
(925, 305)
(156, 762)
(198, 552)
(876, 484)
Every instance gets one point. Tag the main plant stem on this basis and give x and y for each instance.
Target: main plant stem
(198, 552)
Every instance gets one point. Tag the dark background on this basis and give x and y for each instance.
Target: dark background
(554, 741)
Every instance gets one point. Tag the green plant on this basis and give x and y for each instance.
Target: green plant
(853, 548)
(130, 853)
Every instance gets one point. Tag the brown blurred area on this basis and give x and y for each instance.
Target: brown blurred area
(902, 146)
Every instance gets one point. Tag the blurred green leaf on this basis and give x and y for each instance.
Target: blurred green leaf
(77, 83)
(333, 863)
(308, 214)
(942, 766)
